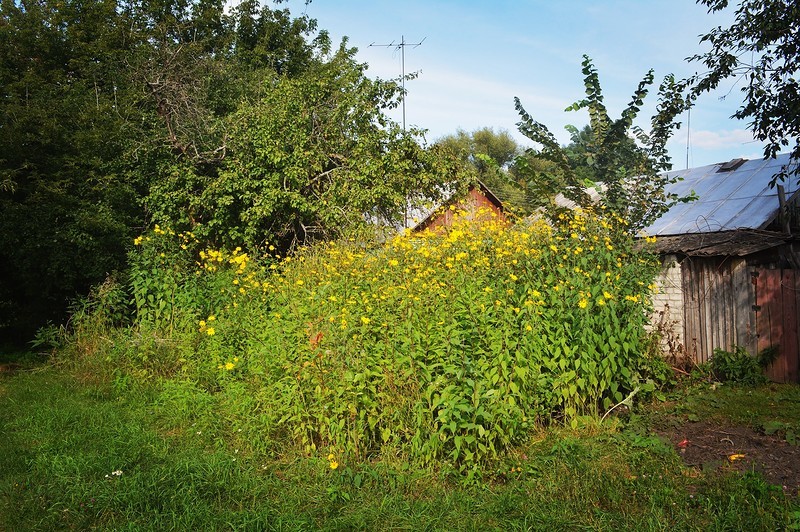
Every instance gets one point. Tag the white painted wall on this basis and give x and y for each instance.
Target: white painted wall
(668, 307)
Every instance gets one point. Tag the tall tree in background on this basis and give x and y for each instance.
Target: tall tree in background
(761, 49)
(492, 156)
(474, 147)
(118, 113)
(630, 172)
(67, 208)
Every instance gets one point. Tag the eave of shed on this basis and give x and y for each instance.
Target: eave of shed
(738, 243)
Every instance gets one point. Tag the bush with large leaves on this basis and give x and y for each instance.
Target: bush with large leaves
(312, 158)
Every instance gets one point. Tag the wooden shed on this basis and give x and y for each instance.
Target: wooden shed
(731, 263)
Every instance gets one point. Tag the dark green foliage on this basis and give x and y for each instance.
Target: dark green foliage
(737, 366)
(67, 210)
(118, 114)
(761, 47)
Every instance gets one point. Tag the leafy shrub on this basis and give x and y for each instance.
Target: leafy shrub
(163, 278)
(737, 366)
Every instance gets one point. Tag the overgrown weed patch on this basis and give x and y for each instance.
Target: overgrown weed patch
(442, 348)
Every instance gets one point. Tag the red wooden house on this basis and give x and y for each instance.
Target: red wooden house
(479, 202)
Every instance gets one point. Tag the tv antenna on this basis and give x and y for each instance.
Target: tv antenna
(402, 48)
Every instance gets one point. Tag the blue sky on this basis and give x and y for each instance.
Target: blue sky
(477, 56)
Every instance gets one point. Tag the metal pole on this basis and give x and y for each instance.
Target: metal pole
(403, 75)
(688, 133)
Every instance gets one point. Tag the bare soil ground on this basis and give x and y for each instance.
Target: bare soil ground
(709, 446)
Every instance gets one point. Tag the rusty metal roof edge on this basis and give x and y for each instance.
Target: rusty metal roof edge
(490, 195)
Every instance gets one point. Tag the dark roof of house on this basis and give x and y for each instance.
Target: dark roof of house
(730, 196)
(737, 243)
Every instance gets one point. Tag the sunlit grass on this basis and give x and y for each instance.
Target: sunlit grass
(76, 457)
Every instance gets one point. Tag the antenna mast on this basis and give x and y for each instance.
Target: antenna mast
(402, 48)
(688, 133)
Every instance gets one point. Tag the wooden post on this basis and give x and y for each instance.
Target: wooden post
(783, 213)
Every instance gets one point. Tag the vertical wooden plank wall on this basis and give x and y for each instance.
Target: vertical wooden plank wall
(725, 307)
(744, 295)
(691, 312)
(768, 316)
(791, 346)
(714, 309)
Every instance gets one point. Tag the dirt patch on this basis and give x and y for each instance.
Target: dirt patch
(9, 368)
(708, 446)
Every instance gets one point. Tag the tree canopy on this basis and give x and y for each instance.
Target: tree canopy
(242, 124)
(761, 49)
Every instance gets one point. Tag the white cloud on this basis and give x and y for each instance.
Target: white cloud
(715, 140)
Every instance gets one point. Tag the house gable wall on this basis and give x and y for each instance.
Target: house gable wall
(476, 204)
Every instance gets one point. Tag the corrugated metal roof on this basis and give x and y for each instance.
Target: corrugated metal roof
(727, 200)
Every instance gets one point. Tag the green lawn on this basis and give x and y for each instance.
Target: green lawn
(82, 455)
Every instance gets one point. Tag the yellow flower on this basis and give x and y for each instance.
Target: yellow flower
(513, 277)
(393, 262)
(365, 320)
(331, 457)
(583, 303)
(334, 464)
(229, 366)
(137, 241)
(210, 331)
